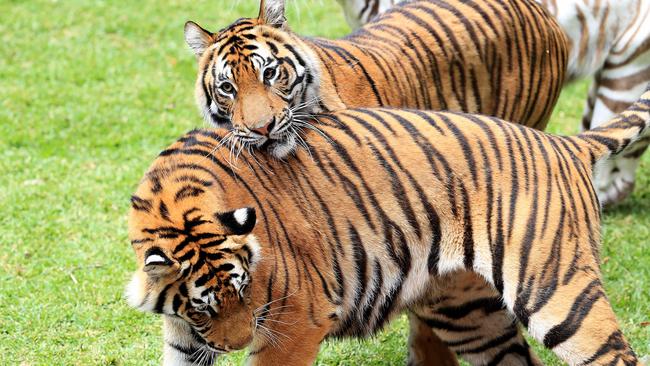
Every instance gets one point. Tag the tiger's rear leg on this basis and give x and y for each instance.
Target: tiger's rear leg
(469, 316)
(571, 315)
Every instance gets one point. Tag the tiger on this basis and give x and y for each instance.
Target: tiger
(278, 256)
(262, 82)
(610, 43)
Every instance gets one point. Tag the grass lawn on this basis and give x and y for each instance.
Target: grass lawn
(90, 92)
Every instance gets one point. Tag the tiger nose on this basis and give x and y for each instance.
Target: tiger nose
(265, 129)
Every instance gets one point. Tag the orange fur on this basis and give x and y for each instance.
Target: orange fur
(338, 246)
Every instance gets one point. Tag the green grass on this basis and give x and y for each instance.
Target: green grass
(90, 91)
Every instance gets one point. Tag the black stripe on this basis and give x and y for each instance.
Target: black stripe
(579, 311)
(488, 305)
(162, 297)
(140, 204)
(493, 343)
(450, 327)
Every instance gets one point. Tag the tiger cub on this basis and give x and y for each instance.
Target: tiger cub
(278, 256)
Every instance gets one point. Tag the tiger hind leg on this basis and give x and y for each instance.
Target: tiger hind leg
(469, 316)
(574, 319)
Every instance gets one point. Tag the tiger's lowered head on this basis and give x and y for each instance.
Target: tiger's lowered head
(194, 265)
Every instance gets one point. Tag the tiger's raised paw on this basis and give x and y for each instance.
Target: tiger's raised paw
(616, 192)
(615, 181)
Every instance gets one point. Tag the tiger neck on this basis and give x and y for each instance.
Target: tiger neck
(339, 84)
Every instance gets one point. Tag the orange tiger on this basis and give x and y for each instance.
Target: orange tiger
(262, 82)
(278, 256)
(610, 43)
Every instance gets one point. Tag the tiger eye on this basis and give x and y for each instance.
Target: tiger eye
(269, 73)
(226, 87)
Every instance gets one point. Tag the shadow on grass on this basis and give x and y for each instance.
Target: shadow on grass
(635, 205)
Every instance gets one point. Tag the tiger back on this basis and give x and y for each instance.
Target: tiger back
(609, 43)
(262, 81)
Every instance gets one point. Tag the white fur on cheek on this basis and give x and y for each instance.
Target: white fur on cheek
(134, 292)
(255, 249)
(284, 148)
(241, 215)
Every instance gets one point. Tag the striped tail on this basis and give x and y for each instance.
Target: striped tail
(614, 136)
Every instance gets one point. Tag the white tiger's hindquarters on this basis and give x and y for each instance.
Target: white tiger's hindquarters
(611, 44)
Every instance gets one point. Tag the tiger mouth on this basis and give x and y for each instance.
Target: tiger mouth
(273, 142)
(279, 142)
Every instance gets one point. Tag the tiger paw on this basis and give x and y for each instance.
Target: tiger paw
(618, 189)
(614, 180)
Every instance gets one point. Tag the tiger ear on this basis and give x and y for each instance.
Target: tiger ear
(197, 38)
(272, 13)
(238, 222)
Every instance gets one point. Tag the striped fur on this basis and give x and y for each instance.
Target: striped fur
(390, 206)
(501, 58)
(505, 59)
(359, 12)
(610, 43)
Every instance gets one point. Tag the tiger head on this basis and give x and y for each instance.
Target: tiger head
(254, 79)
(194, 263)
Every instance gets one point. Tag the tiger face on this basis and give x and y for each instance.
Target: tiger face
(254, 80)
(195, 268)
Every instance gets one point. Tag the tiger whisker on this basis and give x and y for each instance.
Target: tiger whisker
(276, 332)
(199, 358)
(281, 322)
(268, 316)
(276, 300)
(262, 166)
(196, 353)
(223, 141)
(274, 336)
(264, 332)
(280, 310)
(313, 128)
(302, 142)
